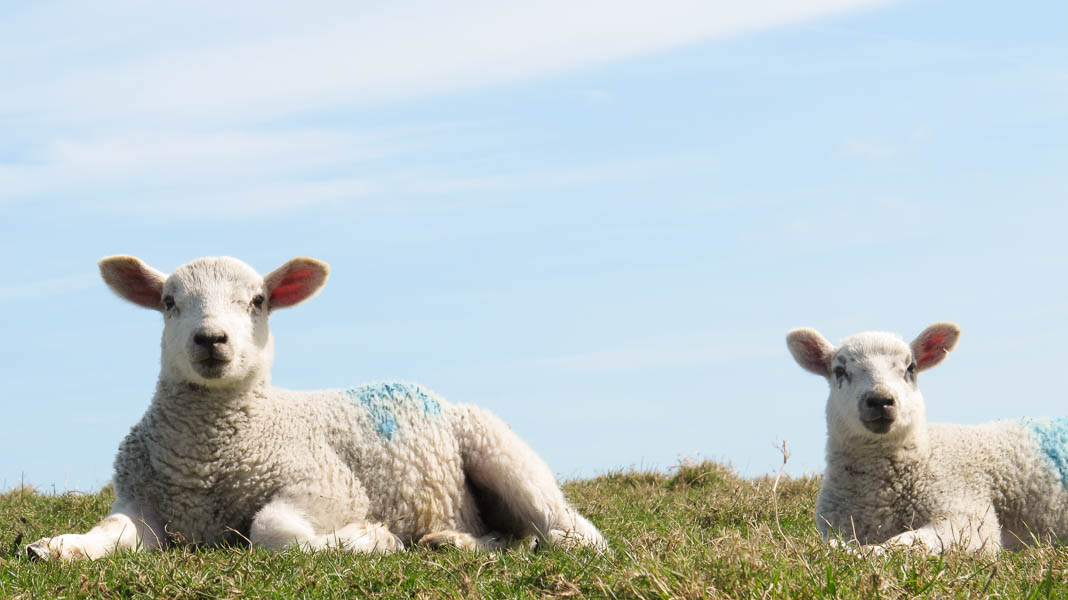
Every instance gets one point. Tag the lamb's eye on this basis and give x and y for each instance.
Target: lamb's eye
(168, 302)
(910, 372)
(258, 301)
(839, 373)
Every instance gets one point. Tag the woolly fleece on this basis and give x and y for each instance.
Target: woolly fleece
(929, 485)
(221, 455)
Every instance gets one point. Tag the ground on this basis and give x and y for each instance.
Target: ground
(698, 531)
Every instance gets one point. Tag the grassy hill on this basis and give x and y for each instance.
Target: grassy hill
(698, 532)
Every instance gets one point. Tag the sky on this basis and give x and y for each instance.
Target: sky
(596, 219)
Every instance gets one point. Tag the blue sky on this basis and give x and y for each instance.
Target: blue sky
(599, 221)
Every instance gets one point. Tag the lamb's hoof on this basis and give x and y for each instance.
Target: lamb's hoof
(573, 540)
(849, 547)
(528, 543)
(873, 550)
(58, 548)
(39, 550)
(455, 539)
(374, 538)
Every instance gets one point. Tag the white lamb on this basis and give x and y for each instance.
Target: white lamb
(222, 455)
(893, 479)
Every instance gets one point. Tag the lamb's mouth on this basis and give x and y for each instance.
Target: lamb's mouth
(878, 424)
(211, 367)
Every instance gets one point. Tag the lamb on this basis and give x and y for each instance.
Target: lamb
(221, 455)
(894, 480)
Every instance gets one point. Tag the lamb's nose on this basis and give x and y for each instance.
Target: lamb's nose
(873, 400)
(206, 337)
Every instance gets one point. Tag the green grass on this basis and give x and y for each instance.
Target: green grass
(698, 532)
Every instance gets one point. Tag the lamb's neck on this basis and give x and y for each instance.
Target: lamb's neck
(206, 402)
(200, 423)
(911, 449)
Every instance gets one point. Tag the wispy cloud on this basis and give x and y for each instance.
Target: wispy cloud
(219, 151)
(669, 352)
(46, 288)
(867, 148)
(98, 111)
(882, 147)
(241, 202)
(336, 54)
(237, 175)
(541, 178)
(182, 164)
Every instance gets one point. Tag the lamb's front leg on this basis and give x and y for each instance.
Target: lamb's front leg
(975, 533)
(126, 528)
(282, 524)
(465, 541)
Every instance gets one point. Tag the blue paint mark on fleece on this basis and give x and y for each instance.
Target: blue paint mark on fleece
(431, 407)
(382, 399)
(1053, 441)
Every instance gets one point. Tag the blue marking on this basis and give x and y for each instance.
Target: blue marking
(382, 399)
(431, 407)
(1053, 441)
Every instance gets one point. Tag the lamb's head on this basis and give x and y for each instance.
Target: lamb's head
(215, 331)
(872, 375)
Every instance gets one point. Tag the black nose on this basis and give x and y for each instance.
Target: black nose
(209, 338)
(875, 400)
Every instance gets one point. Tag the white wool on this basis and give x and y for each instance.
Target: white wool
(222, 455)
(893, 479)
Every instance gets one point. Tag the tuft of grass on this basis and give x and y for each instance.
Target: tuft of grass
(698, 532)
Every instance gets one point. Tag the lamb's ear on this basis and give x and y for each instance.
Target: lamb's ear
(134, 280)
(931, 347)
(295, 281)
(811, 350)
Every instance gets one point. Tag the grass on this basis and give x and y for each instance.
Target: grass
(698, 532)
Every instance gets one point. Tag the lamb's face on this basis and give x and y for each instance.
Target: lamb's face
(873, 387)
(215, 312)
(874, 392)
(215, 323)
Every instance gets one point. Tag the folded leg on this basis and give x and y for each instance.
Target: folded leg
(507, 473)
(281, 524)
(126, 528)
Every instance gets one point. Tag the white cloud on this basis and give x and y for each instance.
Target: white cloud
(250, 201)
(179, 161)
(336, 54)
(46, 288)
(882, 148)
(869, 148)
(670, 352)
(241, 174)
(558, 177)
(219, 151)
(126, 100)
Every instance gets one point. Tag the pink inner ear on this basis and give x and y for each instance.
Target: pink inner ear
(815, 358)
(297, 285)
(931, 349)
(137, 287)
(813, 350)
